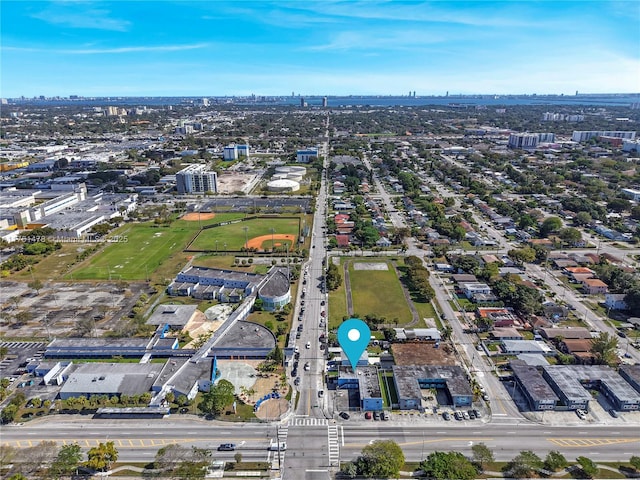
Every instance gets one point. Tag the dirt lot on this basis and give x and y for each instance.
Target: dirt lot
(55, 311)
(422, 353)
(234, 182)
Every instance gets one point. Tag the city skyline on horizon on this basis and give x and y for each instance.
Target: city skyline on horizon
(333, 48)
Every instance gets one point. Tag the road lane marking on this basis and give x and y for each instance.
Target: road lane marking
(592, 442)
(425, 441)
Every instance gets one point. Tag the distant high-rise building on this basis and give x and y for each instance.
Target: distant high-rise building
(302, 102)
(583, 136)
(306, 155)
(523, 140)
(230, 153)
(205, 102)
(196, 179)
(325, 102)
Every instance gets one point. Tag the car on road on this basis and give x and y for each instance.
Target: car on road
(320, 393)
(227, 447)
(307, 345)
(275, 447)
(485, 397)
(322, 313)
(297, 349)
(345, 415)
(307, 367)
(294, 373)
(446, 416)
(296, 382)
(322, 303)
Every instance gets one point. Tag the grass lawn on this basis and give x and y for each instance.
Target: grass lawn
(151, 251)
(338, 305)
(54, 265)
(366, 289)
(147, 247)
(426, 310)
(383, 389)
(233, 235)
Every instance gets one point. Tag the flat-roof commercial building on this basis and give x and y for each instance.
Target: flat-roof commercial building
(535, 389)
(410, 379)
(174, 315)
(110, 379)
(365, 379)
(570, 382)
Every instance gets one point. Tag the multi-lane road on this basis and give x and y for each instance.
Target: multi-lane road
(312, 445)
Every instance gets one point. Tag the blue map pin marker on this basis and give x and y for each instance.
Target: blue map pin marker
(354, 336)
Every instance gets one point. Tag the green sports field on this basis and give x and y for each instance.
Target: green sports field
(379, 293)
(233, 235)
(146, 247)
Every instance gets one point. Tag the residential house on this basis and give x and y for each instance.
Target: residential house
(615, 301)
(594, 286)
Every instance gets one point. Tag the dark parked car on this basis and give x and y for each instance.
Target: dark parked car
(345, 415)
(472, 414)
(227, 447)
(446, 416)
(296, 382)
(376, 415)
(384, 416)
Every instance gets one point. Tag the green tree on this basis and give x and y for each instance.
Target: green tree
(524, 464)
(550, 225)
(588, 466)
(67, 461)
(482, 454)
(8, 413)
(102, 456)
(555, 461)
(583, 218)
(237, 457)
(217, 398)
(334, 279)
(276, 355)
(350, 470)
(522, 255)
(380, 459)
(446, 465)
(635, 462)
(604, 347)
(570, 235)
(35, 285)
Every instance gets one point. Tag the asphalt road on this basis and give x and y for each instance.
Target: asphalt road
(318, 447)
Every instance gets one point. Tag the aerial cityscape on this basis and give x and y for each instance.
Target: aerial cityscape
(318, 240)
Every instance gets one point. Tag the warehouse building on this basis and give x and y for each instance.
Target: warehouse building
(411, 379)
(535, 389)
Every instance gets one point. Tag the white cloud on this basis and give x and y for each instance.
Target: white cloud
(97, 19)
(98, 51)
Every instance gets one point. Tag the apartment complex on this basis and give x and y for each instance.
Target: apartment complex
(196, 179)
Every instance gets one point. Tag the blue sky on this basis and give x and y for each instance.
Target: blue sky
(208, 48)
